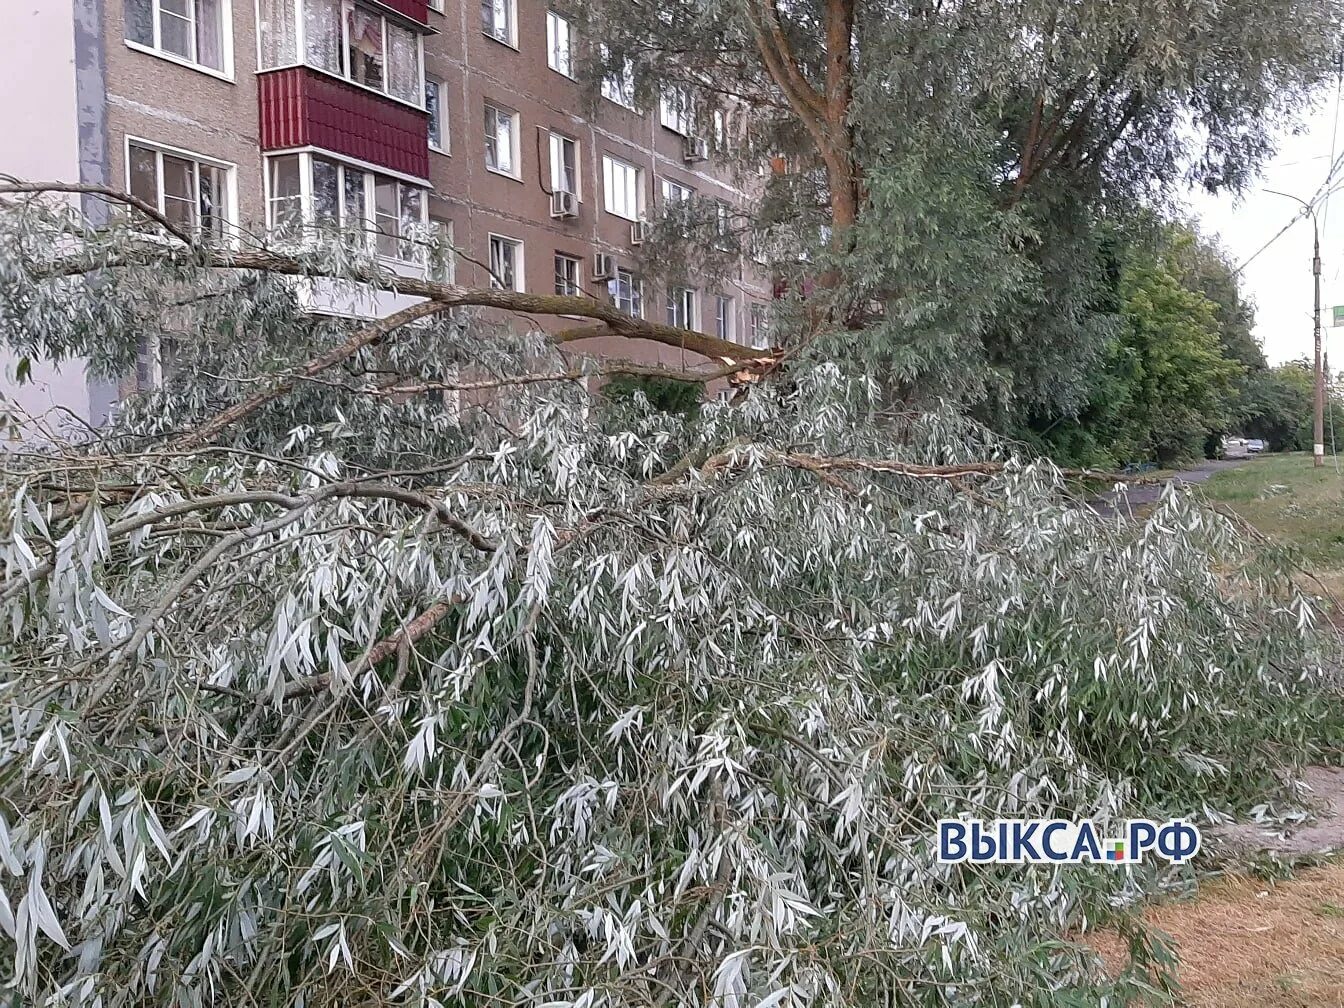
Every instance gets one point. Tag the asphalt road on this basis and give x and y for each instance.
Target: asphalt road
(1150, 493)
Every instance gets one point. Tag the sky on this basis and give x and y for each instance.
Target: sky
(1279, 279)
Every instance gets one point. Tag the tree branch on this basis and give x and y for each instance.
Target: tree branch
(577, 374)
(444, 294)
(370, 334)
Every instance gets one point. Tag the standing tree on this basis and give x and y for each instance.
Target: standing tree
(318, 694)
(943, 167)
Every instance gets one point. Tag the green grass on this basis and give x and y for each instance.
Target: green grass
(1290, 500)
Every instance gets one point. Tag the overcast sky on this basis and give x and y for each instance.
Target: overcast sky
(1279, 279)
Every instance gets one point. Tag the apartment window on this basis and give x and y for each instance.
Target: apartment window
(721, 142)
(674, 110)
(498, 20)
(436, 5)
(194, 31)
(760, 327)
(627, 293)
(284, 200)
(278, 29)
(677, 204)
(723, 318)
(365, 43)
(347, 39)
(723, 219)
(434, 106)
(559, 43)
(190, 191)
(506, 263)
(564, 164)
(675, 192)
(681, 307)
(566, 275)
(442, 255)
(501, 140)
(619, 85)
(371, 209)
(622, 188)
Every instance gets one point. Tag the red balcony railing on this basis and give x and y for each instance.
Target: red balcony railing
(302, 107)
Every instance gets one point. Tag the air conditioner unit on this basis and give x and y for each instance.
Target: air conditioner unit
(695, 149)
(639, 230)
(604, 266)
(564, 204)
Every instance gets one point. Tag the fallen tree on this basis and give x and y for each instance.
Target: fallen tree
(346, 699)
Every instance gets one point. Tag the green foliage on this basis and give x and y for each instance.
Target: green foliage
(1166, 382)
(1170, 358)
(1278, 406)
(360, 703)
(998, 146)
(663, 394)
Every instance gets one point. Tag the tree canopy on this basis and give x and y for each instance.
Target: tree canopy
(949, 173)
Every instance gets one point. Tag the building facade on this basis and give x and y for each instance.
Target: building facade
(400, 117)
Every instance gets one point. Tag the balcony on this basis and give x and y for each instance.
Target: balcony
(304, 107)
(415, 10)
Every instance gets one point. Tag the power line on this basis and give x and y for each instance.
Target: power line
(1334, 135)
(1325, 189)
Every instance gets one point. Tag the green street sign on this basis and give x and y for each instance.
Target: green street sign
(1339, 316)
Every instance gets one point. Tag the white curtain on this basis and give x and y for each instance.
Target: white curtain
(210, 33)
(403, 56)
(322, 31)
(279, 33)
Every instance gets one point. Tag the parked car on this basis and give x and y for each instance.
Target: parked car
(1255, 445)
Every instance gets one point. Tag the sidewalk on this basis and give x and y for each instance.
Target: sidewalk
(1140, 494)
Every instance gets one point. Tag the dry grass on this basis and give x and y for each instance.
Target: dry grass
(1244, 942)
(1247, 943)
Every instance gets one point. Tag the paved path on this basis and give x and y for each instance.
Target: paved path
(1150, 493)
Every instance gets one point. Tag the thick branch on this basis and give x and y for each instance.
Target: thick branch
(576, 374)
(444, 294)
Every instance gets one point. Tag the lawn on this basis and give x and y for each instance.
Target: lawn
(1290, 500)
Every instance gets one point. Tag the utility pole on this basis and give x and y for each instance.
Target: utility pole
(1318, 421)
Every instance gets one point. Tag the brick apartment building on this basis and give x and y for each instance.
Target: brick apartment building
(386, 114)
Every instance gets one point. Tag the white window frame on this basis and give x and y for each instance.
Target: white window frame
(723, 219)
(676, 192)
(230, 229)
(156, 48)
(555, 145)
(561, 63)
(610, 164)
(619, 88)
(515, 143)
(308, 208)
(759, 322)
(683, 300)
(519, 281)
(436, 5)
(725, 318)
(444, 145)
(635, 285)
(677, 198)
(301, 50)
(675, 110)
(721, 128)
(510, 11)
(442, 229)
(578, 273)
